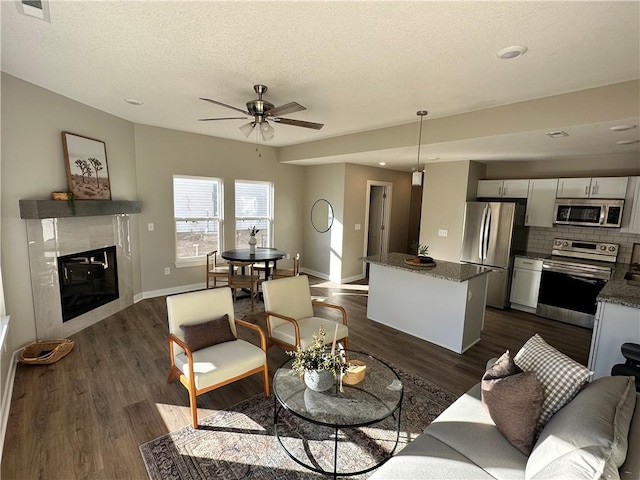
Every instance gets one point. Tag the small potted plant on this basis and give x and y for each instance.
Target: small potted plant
(421, 253)
(252, 238)
(319, 364)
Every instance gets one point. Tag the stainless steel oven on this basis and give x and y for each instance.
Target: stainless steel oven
(572, 279)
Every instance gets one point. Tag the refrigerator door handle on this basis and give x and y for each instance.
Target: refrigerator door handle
(487, 233)
(482, 227)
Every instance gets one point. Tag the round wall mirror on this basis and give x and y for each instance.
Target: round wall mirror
(322, 215)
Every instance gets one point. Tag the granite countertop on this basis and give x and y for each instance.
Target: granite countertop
(621, 291)
(454, 272)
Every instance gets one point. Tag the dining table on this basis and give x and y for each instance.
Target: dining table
(260, 254)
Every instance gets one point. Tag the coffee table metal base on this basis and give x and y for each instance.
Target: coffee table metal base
(278, 407)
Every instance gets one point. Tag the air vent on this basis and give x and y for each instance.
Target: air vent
(557, 134)
(34, 8)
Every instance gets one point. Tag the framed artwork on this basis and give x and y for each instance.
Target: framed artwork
(87, 172)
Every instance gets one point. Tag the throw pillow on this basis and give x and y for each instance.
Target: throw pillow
(560, 376)
(593, 426)
(205, 334)
(513, 399)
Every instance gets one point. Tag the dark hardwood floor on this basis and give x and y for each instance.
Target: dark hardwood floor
(85, 416)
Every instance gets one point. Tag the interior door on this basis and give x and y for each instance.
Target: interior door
(376, 220)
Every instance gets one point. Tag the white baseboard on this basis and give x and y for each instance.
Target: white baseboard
(6, 399)
(137, 297)
(353, 278)
(324, 276)
(173, 290)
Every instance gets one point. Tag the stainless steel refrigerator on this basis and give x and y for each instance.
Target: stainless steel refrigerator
(492, 232)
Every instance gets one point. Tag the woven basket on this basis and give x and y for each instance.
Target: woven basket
(355, 373)
(45, 352)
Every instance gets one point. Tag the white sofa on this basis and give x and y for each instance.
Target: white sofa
(582, 440)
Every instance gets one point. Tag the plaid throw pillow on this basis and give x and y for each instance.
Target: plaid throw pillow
(560, 377)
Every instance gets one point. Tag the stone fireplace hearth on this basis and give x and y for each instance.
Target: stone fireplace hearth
(50, 238)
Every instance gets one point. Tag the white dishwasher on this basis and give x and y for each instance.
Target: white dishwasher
(525, 284)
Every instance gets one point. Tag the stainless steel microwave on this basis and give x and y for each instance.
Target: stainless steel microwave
(588, 212)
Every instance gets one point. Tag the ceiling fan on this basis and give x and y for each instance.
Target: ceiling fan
(259, 111)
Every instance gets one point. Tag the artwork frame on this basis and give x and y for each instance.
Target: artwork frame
(87, 168)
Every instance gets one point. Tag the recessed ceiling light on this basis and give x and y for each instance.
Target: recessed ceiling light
(382, 164)
(557, 134)
(622, 128)
(627, 142)
(512, 52)
(133, 101)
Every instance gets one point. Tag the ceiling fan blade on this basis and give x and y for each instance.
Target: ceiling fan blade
(224, 118)
(290, 107)
(299, 123)
(225, 105)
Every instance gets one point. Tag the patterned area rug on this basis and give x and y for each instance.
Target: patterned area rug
(239, 442)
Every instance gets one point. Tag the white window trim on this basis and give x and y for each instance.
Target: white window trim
(200, 260)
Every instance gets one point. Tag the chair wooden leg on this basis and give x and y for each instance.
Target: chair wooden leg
(194, 408)
(266, 381)
(173, 374)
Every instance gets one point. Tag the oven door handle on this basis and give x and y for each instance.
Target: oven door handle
(573, 272)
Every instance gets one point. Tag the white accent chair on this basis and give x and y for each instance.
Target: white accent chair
(217, 365)
(290, 317)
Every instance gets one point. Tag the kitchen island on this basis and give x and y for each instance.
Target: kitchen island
(443, 304)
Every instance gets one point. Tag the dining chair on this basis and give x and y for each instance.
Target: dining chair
(261, 266)
(290, 317)
(288, 272)
(216, 271)
(238, 277)
(204, 350)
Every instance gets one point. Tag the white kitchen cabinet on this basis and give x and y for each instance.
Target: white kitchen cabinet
(525, 284)
(631, 211)
(540, 201)
(596, 187)
(502, 188)
(614, 325)
(574, 188)
(608, 187)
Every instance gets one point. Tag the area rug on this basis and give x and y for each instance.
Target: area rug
(239, 442)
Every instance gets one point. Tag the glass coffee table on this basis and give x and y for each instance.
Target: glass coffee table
(339, 416)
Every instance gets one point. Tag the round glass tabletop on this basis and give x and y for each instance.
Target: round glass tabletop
(373, 399)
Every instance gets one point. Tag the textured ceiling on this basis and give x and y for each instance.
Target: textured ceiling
(356, 66)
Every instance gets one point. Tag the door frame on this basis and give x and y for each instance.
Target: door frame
(386, 217)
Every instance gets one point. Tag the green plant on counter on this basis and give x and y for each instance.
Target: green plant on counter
(419, 249)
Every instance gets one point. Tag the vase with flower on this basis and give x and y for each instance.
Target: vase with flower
(252, 239)
(319, 364)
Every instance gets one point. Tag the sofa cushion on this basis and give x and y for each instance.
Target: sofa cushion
(467, 428)
(206, 334)
(591, 430)
(513, 399)
(560, 376)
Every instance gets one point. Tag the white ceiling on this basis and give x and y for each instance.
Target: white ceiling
(356, 66)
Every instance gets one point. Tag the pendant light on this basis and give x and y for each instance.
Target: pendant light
(416, 177)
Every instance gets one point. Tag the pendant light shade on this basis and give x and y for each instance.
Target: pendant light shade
(416, 177)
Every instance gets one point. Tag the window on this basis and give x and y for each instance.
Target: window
(254, 207)
(197, 207)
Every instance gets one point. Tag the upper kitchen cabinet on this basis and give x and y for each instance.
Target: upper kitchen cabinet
(631, 211)
(502, 188)
(597, 187)
(540, 201)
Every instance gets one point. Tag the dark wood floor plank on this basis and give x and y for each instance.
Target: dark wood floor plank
(86, 415)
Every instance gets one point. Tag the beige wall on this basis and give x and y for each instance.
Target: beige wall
(447, 186)
(33, 166)
(162, 153)
(622, 165)
(355, 206)
(323, 252)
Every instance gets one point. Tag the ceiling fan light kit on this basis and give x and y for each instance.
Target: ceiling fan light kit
(416, 177)
(261, 110)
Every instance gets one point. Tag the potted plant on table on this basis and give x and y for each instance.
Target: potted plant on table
(421, 253)
(319, 364)
(252, 238)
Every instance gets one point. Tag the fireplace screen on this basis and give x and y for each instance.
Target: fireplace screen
(87, 281)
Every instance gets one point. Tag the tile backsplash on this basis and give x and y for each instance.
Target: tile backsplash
(541, 239)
